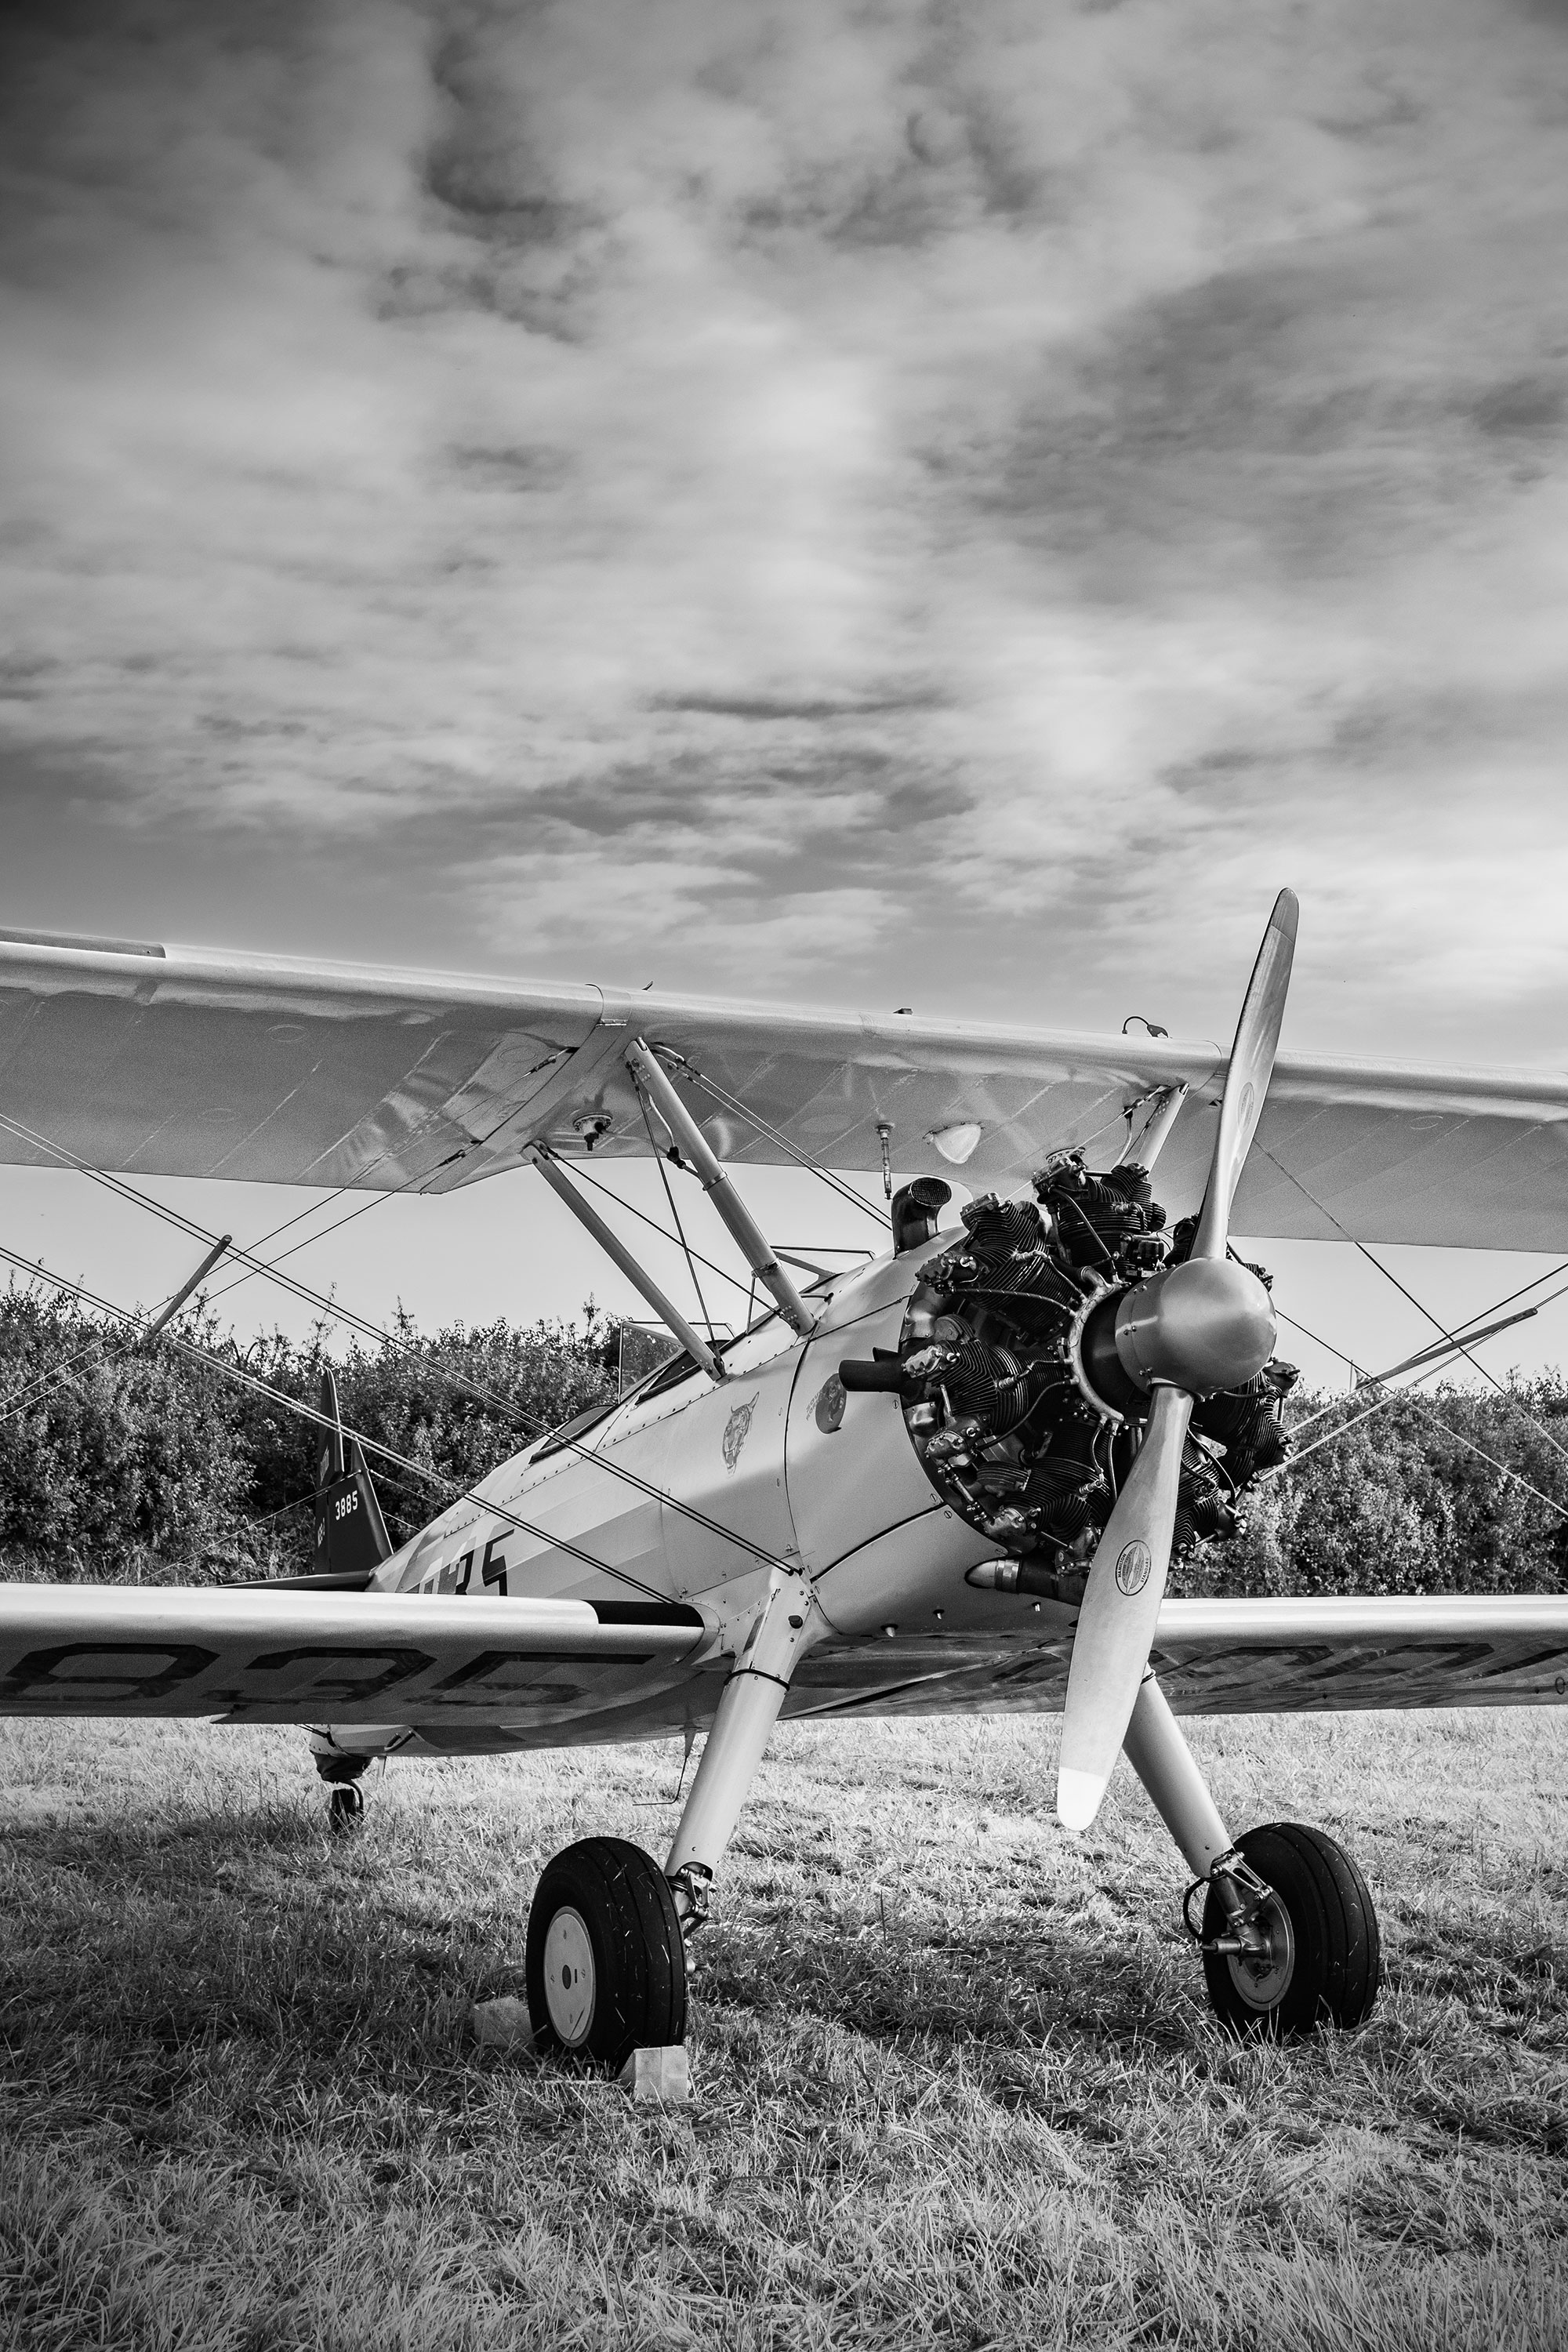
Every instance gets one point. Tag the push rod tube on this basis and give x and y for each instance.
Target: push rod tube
(664, 1308)
(694, 1146)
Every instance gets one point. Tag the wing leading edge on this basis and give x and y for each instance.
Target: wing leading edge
(184, 1062)
(451, 1663)
(249, 1655)
(1230, 1657)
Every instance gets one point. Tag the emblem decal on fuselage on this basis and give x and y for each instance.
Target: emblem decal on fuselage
(736, 1429)
(829, 1405)
(1132, 1569)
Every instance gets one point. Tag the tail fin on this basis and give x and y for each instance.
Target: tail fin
(351, 1534)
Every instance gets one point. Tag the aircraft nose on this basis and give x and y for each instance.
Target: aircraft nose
(1202, 1326)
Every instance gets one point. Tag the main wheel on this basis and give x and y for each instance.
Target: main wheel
(1323, 1960)
(606, 1964)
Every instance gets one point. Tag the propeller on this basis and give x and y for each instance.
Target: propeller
(1190, 1330)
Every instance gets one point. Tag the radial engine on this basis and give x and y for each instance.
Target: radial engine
(1028, 1355)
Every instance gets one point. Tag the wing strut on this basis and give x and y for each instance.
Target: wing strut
(664, 1308)
(753, 1242)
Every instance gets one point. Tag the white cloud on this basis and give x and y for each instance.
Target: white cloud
(819, 494)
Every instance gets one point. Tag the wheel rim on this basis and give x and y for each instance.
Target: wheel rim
(569, 1976)
(1262, 1979)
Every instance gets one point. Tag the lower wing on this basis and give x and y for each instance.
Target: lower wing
(250, 1656)
(1230, 1657)
(254, 1656)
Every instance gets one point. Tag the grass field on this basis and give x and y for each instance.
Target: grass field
(956, 2080)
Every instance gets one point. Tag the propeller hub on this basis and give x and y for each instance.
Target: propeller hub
(1202, 1326)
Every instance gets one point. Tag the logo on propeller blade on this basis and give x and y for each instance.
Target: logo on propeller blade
(1132, 1569)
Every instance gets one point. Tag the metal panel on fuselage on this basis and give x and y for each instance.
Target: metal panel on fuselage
(725, 1458)
(477, 1545)
(719, 1450)
(852, 1471)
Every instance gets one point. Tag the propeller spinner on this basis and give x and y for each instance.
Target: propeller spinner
(1190, 1330)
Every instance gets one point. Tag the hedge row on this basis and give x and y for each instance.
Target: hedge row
(120, 1462)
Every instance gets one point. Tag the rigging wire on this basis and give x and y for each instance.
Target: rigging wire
(1424, 1405)
(471, 1389)
(1506, 1468)
(262, 1240)
(1326, 1345)
(1509, 1394)
(456, 1492)
(652, 1222)
(1444, 1355)
(753, 1118)
(363, 1210)
(42, 1382)
(669, 1196)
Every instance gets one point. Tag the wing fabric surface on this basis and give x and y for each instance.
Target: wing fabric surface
(305, 1658)
(449, 1662)
(192, 1063)
(1231, 1657)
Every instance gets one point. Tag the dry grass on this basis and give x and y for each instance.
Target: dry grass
(956, 2081)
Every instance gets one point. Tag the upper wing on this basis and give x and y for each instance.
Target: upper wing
(254, 1656)
(181, 1062)
(1230, 1657)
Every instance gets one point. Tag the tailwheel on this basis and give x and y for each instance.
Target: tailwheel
(1310, 1951)
(346, 1806)
(606, 1963)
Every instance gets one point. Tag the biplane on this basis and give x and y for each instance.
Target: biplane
(952, 1478)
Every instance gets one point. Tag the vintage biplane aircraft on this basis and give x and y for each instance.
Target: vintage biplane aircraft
(952, 1478)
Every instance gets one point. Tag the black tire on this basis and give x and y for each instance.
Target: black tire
(616, 1981)
(1332, 1977)
(345, 1807)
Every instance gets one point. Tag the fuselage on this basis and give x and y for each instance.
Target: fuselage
(779, 1466)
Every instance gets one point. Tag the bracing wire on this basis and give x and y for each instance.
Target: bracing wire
(669, 1196)
(1424, 1405)
(1503, 1389)
(455, 1491)
(653, 1224)
(473, 1389)
(813, 1166)
(377, 1200)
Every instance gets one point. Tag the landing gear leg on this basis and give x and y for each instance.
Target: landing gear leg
(748, 1710)
(607, 1931)
(345, 1807)
(342, 1769)
(1290, 1937)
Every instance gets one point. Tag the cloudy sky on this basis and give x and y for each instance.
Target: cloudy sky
(934, 504)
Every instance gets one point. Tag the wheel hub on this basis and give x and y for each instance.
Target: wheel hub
(1262, 1973)
(569, 1976)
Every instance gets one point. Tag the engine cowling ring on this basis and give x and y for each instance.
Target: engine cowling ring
(1090, 1349)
